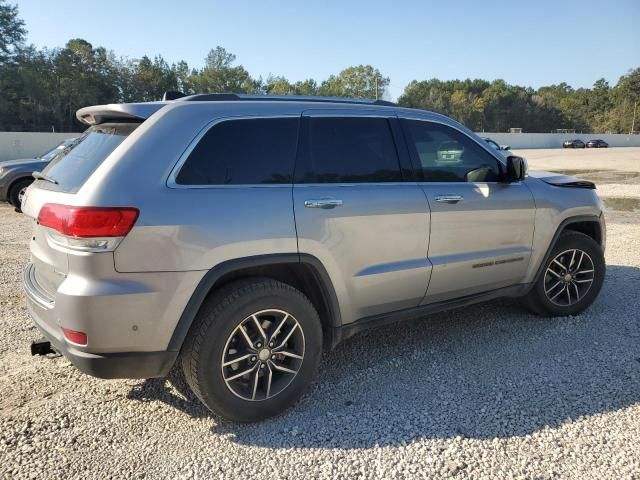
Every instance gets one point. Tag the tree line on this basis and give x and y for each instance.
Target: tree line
(41, 89)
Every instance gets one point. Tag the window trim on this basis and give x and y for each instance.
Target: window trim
(395, 130)
(175, 170)
(418, 173)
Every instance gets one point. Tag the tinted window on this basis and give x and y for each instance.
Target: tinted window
(446, 155)
(237, 152)
(348, 150)
(77, 161)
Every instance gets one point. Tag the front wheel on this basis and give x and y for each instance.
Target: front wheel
(254, 347)
(16, 192)
(571, 278)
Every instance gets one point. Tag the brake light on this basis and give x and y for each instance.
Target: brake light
(79, 338)
(88, 222)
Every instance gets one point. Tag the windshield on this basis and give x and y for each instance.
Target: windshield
(75, 163)
(52, 153)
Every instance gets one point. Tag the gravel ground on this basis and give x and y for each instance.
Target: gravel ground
(484, 392)
(616, 171)
(621, 158)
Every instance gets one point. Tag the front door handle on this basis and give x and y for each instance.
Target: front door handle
(323, 203)
(449, 198)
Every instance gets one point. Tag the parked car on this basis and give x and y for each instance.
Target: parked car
(449, 152)
(16, 175)
(503, 149)
(238, 237)
(576, 143)
(597, 144)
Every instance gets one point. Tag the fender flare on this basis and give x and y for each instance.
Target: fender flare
(208, 282)
(561, 228)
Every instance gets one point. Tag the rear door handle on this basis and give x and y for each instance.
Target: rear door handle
(449, 198)
(323, 203)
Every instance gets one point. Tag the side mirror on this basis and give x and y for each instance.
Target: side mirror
(516, 168)
(505, 147)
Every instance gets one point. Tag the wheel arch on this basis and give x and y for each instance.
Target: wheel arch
(302, 271)
(16, 181)
(590, 225)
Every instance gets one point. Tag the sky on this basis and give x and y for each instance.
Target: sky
(530, 43)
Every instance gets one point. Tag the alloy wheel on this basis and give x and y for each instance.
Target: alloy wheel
(569, 277)
(263, 355)
(21, 194)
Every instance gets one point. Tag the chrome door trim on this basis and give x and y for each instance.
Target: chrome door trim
(323, 203)
(449, 198)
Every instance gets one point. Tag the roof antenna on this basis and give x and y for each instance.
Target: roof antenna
(172, 95)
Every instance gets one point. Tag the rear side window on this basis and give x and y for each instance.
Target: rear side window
(237, 152)
(73, 166)
(347, 150)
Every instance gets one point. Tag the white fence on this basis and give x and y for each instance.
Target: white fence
(554, 140)
(29, 144)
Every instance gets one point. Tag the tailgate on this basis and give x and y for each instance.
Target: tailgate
(51, 265)
(61, 180)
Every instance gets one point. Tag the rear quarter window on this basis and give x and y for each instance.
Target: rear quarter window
(243, 152)
(73, 166)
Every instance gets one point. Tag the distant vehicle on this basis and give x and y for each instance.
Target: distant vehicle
(449, 152)
(16, 175)
(597, 144)
(503, 149)
(576, 143)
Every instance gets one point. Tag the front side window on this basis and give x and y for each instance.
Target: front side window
(243, 152)
(347, 150)
(447, 155)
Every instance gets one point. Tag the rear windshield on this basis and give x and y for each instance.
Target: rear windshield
(76, 162)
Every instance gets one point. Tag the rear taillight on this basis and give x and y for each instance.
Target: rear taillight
(79, 338)
(88, 222)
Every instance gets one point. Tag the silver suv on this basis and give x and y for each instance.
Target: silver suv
(236, 236)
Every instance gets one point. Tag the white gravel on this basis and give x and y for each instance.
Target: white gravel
(485, 392)
(621, 158)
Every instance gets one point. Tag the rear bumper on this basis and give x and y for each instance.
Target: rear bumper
(102, 365)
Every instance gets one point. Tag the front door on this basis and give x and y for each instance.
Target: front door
(354, 212)
(481, 228)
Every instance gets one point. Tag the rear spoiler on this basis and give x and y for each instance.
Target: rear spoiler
(118, 111)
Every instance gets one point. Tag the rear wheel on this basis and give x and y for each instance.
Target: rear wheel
(571, 279)
(254, 347)
(16, 192)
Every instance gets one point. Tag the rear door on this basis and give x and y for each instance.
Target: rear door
(356, 214)
(481, 228)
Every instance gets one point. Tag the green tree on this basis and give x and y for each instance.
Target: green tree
(362, 81)
(12, 31)
(147, 80)
(629, 100)
(220, 76)
(277, 85)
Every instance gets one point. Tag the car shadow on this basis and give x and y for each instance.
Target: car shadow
(483, 372)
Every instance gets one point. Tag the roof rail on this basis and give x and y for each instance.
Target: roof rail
(224, 97)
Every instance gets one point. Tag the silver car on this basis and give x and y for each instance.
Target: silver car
(236, 236)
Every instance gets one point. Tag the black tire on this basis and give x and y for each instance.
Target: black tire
(14, 191)
(216, 322)
(539, 302)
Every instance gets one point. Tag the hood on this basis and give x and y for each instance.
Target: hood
(22, 162)
(560, 180)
